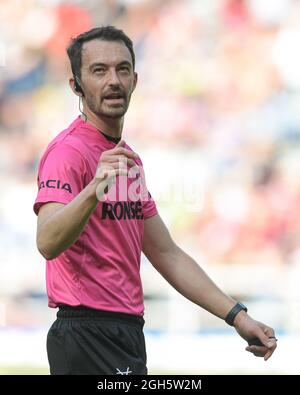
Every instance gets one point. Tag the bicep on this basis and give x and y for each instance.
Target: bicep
(46, 211)
(157, 242)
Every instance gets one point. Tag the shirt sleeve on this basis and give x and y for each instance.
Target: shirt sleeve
(61, 176)
(149, 207)
(148, 204)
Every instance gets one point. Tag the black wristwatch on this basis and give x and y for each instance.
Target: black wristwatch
(233, 312)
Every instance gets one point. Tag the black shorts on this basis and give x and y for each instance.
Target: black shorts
(88, 341)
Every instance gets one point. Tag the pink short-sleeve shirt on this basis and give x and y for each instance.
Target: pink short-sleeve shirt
(101, 269)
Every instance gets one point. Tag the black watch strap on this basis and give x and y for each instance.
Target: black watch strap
(233, 312)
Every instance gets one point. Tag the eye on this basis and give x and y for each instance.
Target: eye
(99, 70)
(124, 69)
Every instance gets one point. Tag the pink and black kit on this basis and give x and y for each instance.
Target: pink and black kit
(95, 283)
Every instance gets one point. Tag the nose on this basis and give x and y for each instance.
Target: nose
(113, 78)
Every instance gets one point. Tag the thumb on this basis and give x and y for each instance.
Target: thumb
(121, 143)
(265, 340)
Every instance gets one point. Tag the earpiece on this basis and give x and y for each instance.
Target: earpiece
(77, 85)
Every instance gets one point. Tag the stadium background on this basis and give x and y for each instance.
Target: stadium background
(217, 106)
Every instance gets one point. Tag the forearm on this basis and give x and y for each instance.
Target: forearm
(64, 227)
(187, 277)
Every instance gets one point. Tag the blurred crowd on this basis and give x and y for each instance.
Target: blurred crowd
(219, 81)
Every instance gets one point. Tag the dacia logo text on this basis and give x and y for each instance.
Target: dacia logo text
(55, 184)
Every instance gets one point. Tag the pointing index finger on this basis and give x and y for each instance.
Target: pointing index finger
(126, 152)
(121, 143)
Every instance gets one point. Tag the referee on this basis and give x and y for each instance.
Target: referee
(95, 217)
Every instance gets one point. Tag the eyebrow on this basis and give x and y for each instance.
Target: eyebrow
(123, 63)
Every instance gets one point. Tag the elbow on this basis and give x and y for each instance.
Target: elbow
(46, 250)
(48, 255)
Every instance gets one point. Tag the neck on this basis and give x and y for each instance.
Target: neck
(111, 126)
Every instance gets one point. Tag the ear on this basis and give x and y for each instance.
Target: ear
(72, 86)
(134, 81)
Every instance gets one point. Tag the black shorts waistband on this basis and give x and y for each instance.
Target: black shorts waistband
(65, 311)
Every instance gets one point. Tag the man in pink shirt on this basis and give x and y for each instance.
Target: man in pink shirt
(95, 217)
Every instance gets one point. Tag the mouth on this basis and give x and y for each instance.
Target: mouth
(114, 98)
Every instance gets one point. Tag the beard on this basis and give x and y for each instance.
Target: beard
(103, 108)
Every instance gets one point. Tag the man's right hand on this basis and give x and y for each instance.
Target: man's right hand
(113, 163)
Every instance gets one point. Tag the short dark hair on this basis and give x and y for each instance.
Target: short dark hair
(105, 33)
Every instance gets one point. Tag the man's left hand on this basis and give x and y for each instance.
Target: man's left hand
(250, 330)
